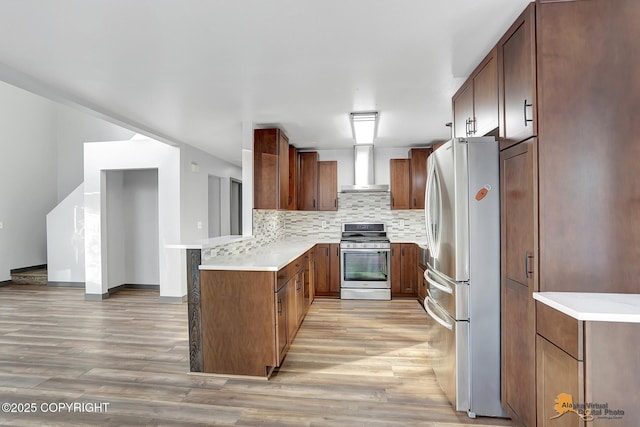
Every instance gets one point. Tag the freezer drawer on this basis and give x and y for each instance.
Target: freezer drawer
(453, 297)
(450, 355)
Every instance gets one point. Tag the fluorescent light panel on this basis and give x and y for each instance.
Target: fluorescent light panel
(364, 126)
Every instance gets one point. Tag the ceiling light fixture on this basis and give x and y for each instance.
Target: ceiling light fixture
(363, 126)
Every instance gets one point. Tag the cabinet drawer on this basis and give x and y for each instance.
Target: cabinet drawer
(290, 270)
(562, 330)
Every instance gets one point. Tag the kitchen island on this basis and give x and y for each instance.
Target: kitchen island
(251, 306)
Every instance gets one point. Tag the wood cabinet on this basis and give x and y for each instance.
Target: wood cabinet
(327, 282)
(293, 178)
(309, 278)
(404, 258)
(327, 185)
(271, 169)
(250, 318)
(418, 171)
(400, 183)
(308, 185)
(586, 362)
(518, 280)
(422, 283)
(475, 105)
(517, 80)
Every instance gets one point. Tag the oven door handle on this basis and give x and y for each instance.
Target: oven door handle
(434, 316)
(343, 250)
(437, 285)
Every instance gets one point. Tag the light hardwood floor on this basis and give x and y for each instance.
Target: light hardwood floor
(353, 363)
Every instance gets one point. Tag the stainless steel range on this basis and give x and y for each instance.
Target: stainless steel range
(365, 261)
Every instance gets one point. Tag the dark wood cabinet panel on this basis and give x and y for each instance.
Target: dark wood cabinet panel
(327, 283)
(271, 169)
(293, 178)
(400, 183)
(327, 185)
(418, 166)
(463, 111)
(485, 95)
(282, 304)
(308, 185)
(589, 150)
(518, 204)
(422, 283)
(517, 80)
(404, 259)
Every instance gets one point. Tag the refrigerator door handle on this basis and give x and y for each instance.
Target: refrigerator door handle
(427, 203)
(434, 316)
(435, 284)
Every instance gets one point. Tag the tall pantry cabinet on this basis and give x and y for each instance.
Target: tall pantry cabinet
(568, 90)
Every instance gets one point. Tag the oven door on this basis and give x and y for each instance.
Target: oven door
(365, 268)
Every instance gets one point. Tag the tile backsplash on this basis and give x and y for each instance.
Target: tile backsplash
(357, 207)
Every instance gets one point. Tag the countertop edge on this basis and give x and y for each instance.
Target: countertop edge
(586, 315)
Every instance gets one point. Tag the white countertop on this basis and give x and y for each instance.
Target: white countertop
(265, 258)
(598, 307)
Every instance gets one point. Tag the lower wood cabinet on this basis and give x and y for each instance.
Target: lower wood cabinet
(422, 283)
(250, 318)
(327, 277)
(404, 257)
(586, 363)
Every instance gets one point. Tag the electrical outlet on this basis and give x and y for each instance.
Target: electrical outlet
(324, 224)
(199, 225)
(1, 224)
(402, 223)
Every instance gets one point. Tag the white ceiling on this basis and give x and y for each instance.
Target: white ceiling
(193, 71)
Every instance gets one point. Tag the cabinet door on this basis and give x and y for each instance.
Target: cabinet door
(409, 254)
(517, 80)
(422, 284)
(283, 171)
(396, 269)
(463, 111)
(485, 95)
(557, 372)
(293, 178)
(322, 281)
(418, 165)
(300, 303)
(518, 281)
(328, 186)
(281, 322)
(308, 188)
(334, 275)
(292, 314)
(400, 183)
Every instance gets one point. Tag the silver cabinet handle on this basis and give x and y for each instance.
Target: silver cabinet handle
(527, 264)
(525, 113)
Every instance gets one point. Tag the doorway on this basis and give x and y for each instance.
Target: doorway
(236, 207)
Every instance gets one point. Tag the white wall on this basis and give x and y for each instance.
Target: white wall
(381, 157)
(74, 128)
(115, 237)
(140, 217)
(126, 155)
(215, 218)
(196, 166)
(27, 177)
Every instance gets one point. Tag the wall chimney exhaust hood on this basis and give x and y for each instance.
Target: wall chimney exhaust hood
(363, 126)
(363, 172)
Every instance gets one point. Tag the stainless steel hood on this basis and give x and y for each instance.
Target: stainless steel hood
(363, 172)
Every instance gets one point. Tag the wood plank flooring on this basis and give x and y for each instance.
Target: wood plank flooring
(353, 363)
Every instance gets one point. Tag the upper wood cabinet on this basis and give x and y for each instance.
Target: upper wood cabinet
(328, 186)
(271, 169)
(517, 80)
(475, 105)
(400, 183)
(418, 167)
(293, 178)
(308, 184)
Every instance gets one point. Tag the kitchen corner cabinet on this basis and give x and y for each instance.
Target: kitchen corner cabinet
(518, 281)
(475, 105)
(327, 279)
(517, 102)
(418, 171)
(404, 258)
(327, 185)
(590, 362)
(400, 183)
(271, 169)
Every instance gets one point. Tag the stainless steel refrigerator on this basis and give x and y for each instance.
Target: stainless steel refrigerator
(462, 212)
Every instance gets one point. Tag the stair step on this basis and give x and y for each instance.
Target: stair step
(30, 277)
